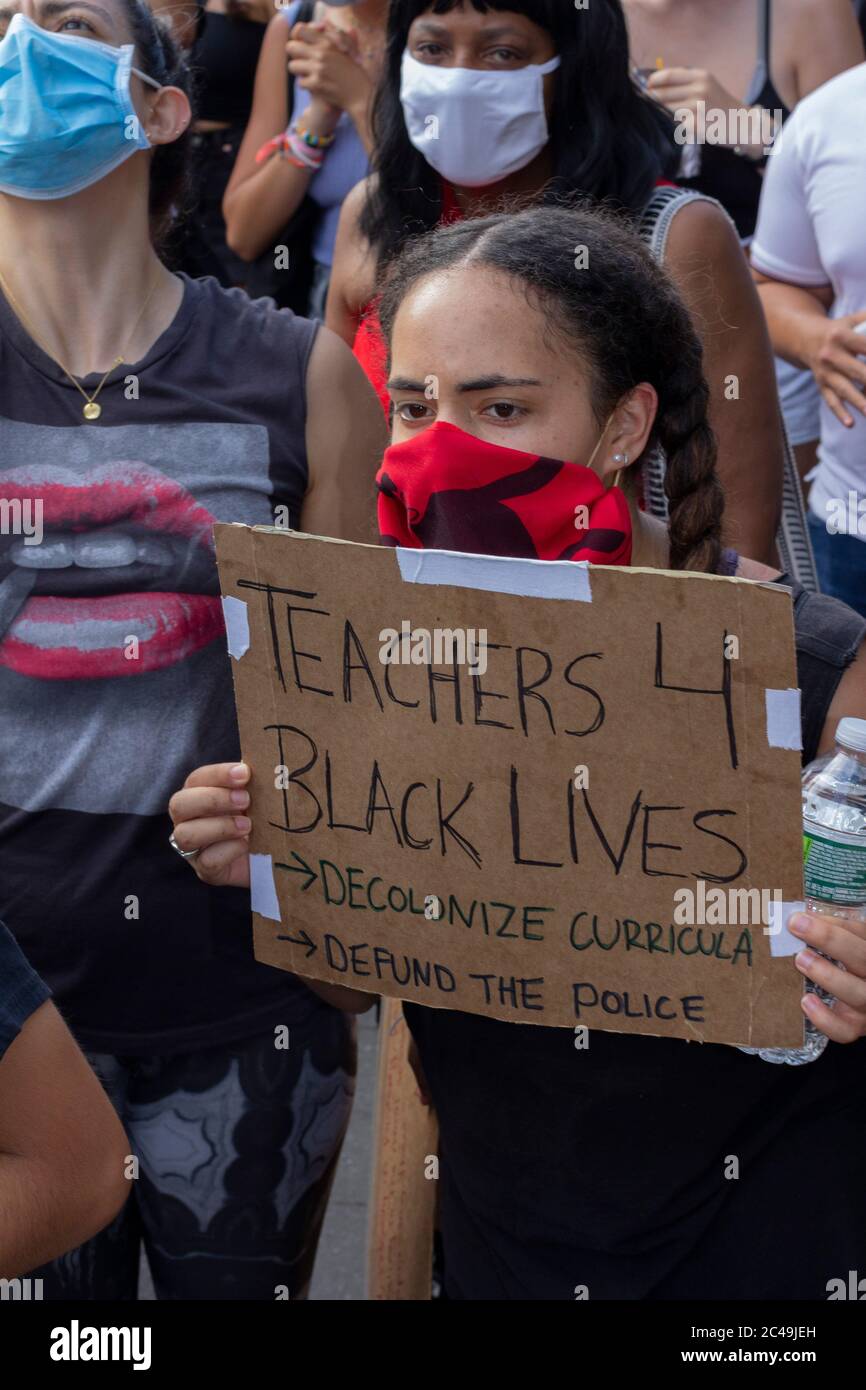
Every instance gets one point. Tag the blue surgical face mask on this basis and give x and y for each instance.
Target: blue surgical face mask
(66, 112)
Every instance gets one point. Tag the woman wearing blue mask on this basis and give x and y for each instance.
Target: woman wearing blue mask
(533, 99)
(136, 407)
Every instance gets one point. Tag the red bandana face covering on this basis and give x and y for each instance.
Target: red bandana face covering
(446, 490)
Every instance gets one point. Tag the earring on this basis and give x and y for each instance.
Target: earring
(622, 460)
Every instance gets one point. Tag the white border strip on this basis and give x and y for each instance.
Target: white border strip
(494, 574)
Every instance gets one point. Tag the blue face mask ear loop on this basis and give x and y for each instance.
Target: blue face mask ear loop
(151, 82)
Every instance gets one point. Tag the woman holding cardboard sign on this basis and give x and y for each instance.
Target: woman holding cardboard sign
(605, 1170)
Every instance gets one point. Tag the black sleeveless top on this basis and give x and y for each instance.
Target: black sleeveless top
(224, 61)
(732, 178)
(610, 1168)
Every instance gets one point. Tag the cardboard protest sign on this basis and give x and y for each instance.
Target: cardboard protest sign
(543, 792)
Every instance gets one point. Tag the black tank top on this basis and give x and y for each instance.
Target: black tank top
(732, 178)
(224, 61)
(605, 1168)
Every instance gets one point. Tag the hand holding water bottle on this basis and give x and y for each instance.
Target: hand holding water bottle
(834, 827)
(845, 942)
(833, 927)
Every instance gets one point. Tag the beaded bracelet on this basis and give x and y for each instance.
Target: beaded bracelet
(316, 142)
(292, 149)
(310, 158)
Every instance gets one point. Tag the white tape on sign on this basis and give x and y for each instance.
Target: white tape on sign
(237, 626)
(263, 894)
(782, 943)
(783, 719)
(564, 579)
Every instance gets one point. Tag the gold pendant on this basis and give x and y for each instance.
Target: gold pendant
(92, 411)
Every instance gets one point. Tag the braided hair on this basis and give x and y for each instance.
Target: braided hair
(618, 308)
(162, 58)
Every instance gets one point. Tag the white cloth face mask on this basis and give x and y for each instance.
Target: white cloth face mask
(473, 126)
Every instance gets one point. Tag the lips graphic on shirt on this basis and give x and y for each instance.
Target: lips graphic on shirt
(126, 552)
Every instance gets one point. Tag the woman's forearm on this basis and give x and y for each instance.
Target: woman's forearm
(796, 319)
(257, 210)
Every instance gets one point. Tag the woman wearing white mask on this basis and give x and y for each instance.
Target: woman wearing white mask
(534, 98)
(137, 407)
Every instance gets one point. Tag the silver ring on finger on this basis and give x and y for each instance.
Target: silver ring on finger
(184, 853)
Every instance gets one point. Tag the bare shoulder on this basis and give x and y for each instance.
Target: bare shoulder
(701, 229)
(820, 38)
(331, 363)
(276, 34)
(353, 278)
(804, 19)
(351, 241)
(355, 199)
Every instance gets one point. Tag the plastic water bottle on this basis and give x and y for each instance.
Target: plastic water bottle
(834, 856)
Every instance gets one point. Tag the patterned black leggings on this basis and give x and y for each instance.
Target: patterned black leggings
(236, 1150)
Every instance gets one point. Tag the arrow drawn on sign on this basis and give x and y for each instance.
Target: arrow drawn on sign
(302, 940)
(304, 869)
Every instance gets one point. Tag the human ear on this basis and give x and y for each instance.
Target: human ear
(168, 116)
(629, 430)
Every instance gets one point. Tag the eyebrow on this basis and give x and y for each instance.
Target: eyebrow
(405, 383)
(499, 31)
(489, 383)
(483, 383)
(57, 7)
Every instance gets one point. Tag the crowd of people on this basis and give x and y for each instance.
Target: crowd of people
(236, 243)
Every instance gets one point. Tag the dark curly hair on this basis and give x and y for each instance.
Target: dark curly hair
(609, 140)
(626, 319)
(164, 60)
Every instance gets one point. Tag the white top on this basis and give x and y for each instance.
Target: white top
(812, 232)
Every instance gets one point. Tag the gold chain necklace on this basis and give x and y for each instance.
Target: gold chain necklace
(91, 409)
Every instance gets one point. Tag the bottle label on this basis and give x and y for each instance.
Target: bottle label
(834, 866)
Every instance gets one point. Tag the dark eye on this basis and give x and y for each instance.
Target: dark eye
(429, 50)
(412, 411)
